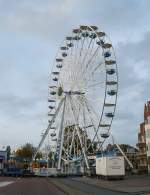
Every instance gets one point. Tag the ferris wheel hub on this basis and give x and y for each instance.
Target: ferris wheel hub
(74, 93)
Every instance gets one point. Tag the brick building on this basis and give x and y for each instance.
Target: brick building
(144, 142)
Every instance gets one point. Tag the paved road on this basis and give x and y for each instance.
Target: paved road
(47, 186)
(30, 186)
(75, 187)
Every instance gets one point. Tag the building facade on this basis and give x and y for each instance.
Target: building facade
(3, 160)
(147, 133)
(144, 142)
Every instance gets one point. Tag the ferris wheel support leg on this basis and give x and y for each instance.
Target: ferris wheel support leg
(62, 136)
(47, 130)
(80, 139)
(83, 149)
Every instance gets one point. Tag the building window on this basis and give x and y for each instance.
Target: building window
(148, 146)
(148, 133)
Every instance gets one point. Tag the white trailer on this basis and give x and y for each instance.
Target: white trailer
(110, 167)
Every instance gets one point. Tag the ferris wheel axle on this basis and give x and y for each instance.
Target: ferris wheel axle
(74, 93)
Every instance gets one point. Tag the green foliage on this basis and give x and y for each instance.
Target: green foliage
(38, 155)
(26, 152)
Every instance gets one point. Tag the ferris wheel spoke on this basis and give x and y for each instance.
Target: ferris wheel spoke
(85, 127)
(74, 131)
(89, 49)
(91, 119)
(90, 60)
(77, 67)
(80, 53)
(61, 136)
(94, 87)
(91, 107)
(86, 53)
(83, 122)
(74, 53)
(94, 84)
(95, 128)
(71, 58)
(91, 73)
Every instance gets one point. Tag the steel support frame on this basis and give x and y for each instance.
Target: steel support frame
(62, 136)
(48, 128)
(80, 139)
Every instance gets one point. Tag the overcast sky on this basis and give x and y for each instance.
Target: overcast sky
(30, 33)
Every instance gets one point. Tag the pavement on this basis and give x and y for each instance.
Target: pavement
(131, 184)
(47, 186)
(134, 185)
(29, 186)
(77, 187)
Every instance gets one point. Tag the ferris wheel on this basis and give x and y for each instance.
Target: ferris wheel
(82, 97)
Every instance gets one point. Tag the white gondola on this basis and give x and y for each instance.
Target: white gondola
(59, 59)
(64, 54)
(51, 107)
(100, 34)
(56, 73)
(64, 48)
(83, 27)
(53, 134)
(51, 114)
(110, 62)
(50, 100)
(51, 121)
(111, 83)
(55, 79)
(77, 30)
(53, 92)
(69, 38)
(85, 34)
(107, 45)
(104, 135)
(77, 38)
(110, 71)
(104, 125)
(109, 105)
(54, 140)
(59, 66)
(112, 92)
(101, 42)
(52, 86)
(93, 35)
(107, 54)
(94, 28)
(70, 44)
(109, 114)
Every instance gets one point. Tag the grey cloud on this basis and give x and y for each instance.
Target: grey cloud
(47, 19)
(134, 82)
(25, 91)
